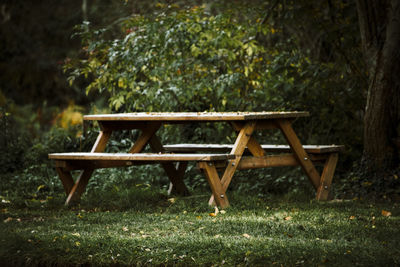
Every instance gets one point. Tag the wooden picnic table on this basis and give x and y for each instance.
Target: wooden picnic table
(245, 153)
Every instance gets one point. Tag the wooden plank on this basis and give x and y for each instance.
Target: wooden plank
(144, 137)
(213, 180)
(195, 116)
(139, 156)
(66, 179)
(83, 179)
(122, 125)
(252, 144)
(326, 177)
(267, 161)
(79, 187)
(237, 150)
(101, 141)
(173, 174)
(69, 165)
(298, 150)
(223, 148)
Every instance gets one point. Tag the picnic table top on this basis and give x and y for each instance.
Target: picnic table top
(196, 116)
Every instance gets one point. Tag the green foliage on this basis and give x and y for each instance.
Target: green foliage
(176, 60)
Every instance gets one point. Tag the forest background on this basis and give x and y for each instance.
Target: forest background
(60, 60)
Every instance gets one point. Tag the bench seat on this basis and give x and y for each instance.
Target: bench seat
(311, 149)
(140, 156)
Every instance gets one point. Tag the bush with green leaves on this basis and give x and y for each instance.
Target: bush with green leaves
(176, 60)
(191, 60)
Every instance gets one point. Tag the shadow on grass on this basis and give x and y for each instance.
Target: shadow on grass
(143, 226)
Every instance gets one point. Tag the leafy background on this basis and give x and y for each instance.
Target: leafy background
(60, 61)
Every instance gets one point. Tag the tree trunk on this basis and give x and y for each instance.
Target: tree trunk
(380, 34)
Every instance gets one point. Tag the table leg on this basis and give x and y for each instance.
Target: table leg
(144, 138)
(79, 187)
(253, 145)
(299, 152)
(215, 184)
(174, 175)
(238, 149)
(326, 177)
(66, 179)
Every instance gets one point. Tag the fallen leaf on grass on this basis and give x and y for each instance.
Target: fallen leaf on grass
(386, 213)
(246, 235)
(352, 217)
(9, 219)
(125, 229)
(288, 218)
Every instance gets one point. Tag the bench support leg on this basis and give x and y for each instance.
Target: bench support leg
(66, 179)
(215, 183)
(326, 177)
(78, 188)
(238, 148)
(300, 153)
(174, 175)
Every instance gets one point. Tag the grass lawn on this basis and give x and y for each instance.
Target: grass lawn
(142, 226)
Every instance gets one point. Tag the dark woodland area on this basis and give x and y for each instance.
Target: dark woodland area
(336, 59)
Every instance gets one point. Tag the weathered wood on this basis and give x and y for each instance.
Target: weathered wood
(101, 141)
(252, 144)
(122, 125)
(145, 136)
(224, 148)
(218, 192)
(79, 187)
(267, 161)
(66, 179)
(69, 165)
(196, 116)
(175, 176)
(326, 177)
(237, 150)
(139, 156)
(299, 152)
(83, 179)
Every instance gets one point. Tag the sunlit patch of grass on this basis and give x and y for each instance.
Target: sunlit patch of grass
(141, 225)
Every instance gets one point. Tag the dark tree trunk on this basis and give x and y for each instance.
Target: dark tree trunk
(380, 34)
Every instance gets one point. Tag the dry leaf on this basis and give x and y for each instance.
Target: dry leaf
(9, 219)
(125, 229)
(352, 217)
(246, 235)
(288, 218)
(216, 211)
(386, 213)
(222, 211)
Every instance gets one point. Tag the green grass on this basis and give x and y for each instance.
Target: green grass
(141, 226)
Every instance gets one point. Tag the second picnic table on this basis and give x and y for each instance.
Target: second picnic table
(245, 153)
